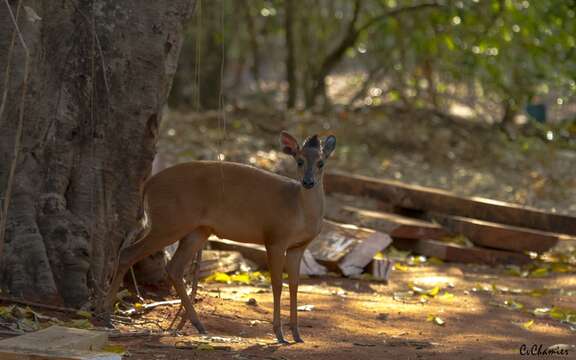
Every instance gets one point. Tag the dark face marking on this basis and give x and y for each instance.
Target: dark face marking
(310, 158)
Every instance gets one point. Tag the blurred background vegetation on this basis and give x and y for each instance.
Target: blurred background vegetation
(474, 96)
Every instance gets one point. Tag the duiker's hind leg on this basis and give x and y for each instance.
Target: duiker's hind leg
(149, 244)
(187, 249)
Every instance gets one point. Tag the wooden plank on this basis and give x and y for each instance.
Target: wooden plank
(59, 354)
(219, 261)
(480, 232)
(498, 236)
(253, 252)
(58, 337)
(347, 248)
(257, 254)
(57, 343)
(456, 253)
(391, 224)
(445, 202)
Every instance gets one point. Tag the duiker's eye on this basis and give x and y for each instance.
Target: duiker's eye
(300, 162)
(320, 164)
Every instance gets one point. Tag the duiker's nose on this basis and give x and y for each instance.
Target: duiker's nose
(308, 183)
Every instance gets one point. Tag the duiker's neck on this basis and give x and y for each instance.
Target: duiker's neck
(313, 200)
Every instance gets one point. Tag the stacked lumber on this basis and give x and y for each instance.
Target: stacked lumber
(418, 217)
(341, 248)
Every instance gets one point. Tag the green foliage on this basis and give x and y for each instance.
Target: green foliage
(509, 52)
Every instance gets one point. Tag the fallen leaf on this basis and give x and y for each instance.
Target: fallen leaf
(31, 15)
(527, 324)
(205, 347)
(116, 349)
(539, 272)
(243, 278)
(436, 320)
(435, 261)
(541, 311)
(219, 277)
(400, 267)
(79, 324)
(513, 304)
(84, 314)
(447, 296)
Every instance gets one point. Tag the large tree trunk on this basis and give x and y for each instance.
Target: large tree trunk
(100, 72)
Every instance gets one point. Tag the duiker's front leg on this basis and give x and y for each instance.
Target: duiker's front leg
(293, 258)
(276, 265)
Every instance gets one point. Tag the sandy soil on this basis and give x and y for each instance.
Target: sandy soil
(360, 319)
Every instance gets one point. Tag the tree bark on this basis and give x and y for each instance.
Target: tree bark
(100, 72)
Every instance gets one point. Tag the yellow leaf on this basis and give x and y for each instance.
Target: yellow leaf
(379, 256)
(560, 267)
(116, 349)
(205, 347)
(557, 313)
(513, 270)
(447, 296)
(513, 304)
(528, 324)
(6, 311)
(79, 324)
(84, 314)
(541, 311)
(243, 278)
(436, 320)
(138, 307)
(435, 261)
(219, 277)
(539, 272)
(434, 291)
(400, 267)
(538, 292)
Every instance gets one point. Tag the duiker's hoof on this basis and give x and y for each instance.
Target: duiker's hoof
(201, 329)
(296, 335)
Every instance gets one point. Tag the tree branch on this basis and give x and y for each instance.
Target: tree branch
(394, 13)
(351, 37)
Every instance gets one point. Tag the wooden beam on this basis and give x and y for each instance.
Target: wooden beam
(25, 354)
(59, 337)
(391, 224)
(57, 343)
(498, 236)
(253, 252)
(456, 253)
(445, 202)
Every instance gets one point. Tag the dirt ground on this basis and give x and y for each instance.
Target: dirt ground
(488, 316)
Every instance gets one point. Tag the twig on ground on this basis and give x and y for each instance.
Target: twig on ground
(189, 346)
(39, 305)
(150, 306)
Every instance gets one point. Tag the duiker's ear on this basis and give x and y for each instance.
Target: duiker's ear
(289, 144)
(328, 146)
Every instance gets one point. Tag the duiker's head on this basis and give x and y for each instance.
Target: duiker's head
(310, 158)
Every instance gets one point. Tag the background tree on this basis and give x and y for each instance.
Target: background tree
(99, 74)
